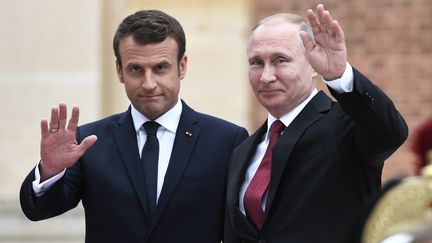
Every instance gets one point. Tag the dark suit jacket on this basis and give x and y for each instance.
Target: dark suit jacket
(108, 179)
(326, 164)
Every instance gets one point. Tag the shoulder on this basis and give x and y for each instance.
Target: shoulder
(214, 127)
(108, 123)
(220, 129)
(208, 121)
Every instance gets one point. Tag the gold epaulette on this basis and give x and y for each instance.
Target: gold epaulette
(402, 209)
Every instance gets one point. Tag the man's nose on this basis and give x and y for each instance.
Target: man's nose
(268, 74)
(149, 82)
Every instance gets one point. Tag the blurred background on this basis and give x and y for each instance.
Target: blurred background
(54, 51)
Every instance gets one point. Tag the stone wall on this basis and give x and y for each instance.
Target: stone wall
(56, 51)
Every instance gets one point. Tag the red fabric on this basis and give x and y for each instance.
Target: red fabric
(259, 183)
(422, 141)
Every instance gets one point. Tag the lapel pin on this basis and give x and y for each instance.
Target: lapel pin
(189, 134)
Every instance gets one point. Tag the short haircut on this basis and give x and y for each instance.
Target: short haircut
(281, 18)
(150, 27)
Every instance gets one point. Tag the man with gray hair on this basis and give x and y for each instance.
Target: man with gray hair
(308, 170)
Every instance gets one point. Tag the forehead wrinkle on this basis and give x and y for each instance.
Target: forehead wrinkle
(150, 54)
(273, 47)
(281, 32)
(146, 60)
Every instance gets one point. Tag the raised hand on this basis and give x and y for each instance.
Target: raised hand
(327, 53)
(59, 148)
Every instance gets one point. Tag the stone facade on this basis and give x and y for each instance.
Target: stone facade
(56, 51)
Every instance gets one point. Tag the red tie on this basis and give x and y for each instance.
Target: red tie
(254, 193)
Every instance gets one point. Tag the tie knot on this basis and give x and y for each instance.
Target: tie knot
(151, 127)
(277, 127)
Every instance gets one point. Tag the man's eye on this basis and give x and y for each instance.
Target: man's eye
(255, 63)
(161, 67)
(280, 60)
(135, 69)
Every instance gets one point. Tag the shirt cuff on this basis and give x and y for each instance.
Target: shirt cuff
(40, 188)
(343, 84)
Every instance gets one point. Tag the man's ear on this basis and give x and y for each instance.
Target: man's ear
(182, 67)
(119, 72)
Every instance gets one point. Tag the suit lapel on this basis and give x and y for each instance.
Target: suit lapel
(242, 160)
(239, 164)
(313, 111)
(186, 137)
(125, 138)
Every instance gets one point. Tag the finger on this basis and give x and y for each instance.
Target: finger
(62, 115)
(44, 128)
(338, 32)
(313, 21)
(87, 143)
(327, 22)
(324, 18)
(307, 41)
(54, 120)
(320, 13)
(73, 121)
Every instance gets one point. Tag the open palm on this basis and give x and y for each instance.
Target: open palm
(59, 148)
(327, 51)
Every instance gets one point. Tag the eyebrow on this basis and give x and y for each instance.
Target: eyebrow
(163, 62)
(276, 54)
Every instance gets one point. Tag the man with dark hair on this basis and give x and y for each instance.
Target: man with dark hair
(151, 26)
(306, 172)
(155, 173)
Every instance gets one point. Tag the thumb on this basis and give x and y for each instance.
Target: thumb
(307, 41)
(87, 143)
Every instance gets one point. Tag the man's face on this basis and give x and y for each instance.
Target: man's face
(279, 73)
(151, 75)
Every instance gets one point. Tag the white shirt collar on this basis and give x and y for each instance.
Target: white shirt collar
(290, 116)
(169, 120)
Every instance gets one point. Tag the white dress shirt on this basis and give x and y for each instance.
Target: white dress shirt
(165, 134)
(341, 85)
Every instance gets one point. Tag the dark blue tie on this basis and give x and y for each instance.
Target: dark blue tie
(149, 158)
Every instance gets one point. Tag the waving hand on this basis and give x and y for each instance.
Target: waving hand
(327, 53)
(59, 148)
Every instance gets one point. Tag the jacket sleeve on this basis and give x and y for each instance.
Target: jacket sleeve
(378, 127)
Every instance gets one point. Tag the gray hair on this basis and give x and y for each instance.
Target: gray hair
(284, 18)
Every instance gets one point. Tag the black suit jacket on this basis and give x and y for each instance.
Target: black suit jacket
(326, 164)
(108, 179)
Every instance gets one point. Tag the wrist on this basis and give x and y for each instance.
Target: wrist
(47, 173)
